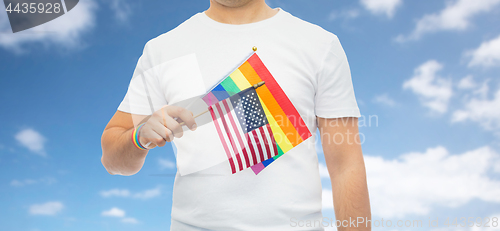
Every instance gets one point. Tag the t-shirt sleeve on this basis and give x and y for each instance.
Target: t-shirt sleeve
(144, 95)
(335, 94)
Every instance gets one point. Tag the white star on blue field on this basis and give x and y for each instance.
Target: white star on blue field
(425, 74)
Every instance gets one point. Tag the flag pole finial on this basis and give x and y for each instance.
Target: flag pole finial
(257, 85)
(254, 48)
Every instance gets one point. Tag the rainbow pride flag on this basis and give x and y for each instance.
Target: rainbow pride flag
(288, 128)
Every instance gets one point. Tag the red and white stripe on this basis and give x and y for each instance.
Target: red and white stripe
(243, 150)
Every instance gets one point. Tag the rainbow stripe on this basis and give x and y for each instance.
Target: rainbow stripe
(288, 128)
(135, 137)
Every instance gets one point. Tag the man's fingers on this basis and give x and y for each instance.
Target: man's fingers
(160, 129)
(174, 126)
(159, 141)
(148, 135)
(185, 115)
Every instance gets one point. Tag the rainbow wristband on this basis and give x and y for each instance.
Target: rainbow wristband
(135, 137)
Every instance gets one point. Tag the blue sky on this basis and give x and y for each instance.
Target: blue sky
(426, 72)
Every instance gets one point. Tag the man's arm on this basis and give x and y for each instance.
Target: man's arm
(344, 159)
(119, 154)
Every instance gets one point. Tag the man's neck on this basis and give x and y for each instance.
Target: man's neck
(254, 11)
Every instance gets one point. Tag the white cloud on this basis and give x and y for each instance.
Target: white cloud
(384, 7)
(32, 140)
(113, 212)
(384, 99)
(62, 32)
(122, 9)
(327, 199)
(481, 110)
(119, 213)
(317, 144)
(486, 55)
(115, 193)
(20, 183)
(146, 194)
(467, 83)
(48, 209)
(323, 171)
(416, 182)
(344, 14)
(130, 220)
(166, 164)
(45, 180)
(470, 87)
(455, 16)
(433, 90)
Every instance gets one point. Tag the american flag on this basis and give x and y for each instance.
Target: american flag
(243, 129)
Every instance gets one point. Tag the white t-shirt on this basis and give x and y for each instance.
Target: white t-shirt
(310, 66)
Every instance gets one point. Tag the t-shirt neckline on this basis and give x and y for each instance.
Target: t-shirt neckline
(225, 26)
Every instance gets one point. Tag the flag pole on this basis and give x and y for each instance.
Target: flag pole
(255, 86)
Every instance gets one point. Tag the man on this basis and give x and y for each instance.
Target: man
(310, 66)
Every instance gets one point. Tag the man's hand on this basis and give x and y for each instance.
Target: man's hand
(344, 159)
(119, 154)
(162, 126)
